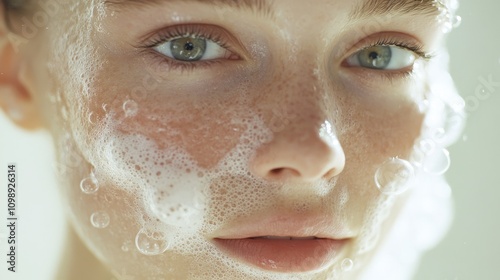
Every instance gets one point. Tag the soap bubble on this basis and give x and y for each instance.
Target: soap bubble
(151, 243)
(89, 185)
(417, 157)
(393, 176)
(457, 20)
(437, 162)
(126, 246)
(423, 106)
(426, 145)
(92, 118)
(347, 265)
(130, 108)
(99, 219)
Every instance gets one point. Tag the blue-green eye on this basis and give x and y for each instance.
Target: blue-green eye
(192, 48)
(383, 57)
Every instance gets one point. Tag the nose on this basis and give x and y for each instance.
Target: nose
(300, 153)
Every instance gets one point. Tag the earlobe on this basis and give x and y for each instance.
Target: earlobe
(15, 99)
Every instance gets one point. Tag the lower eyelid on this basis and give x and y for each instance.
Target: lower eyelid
(366, 76)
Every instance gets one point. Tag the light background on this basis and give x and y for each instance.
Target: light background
(471, 250)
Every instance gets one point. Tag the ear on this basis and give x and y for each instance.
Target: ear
(16, 99)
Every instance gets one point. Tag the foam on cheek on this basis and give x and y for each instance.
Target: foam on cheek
(170, 186)
(168, 181)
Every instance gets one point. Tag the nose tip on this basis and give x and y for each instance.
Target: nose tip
(300, 156)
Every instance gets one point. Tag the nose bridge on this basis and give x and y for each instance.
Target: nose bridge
(304, 146)
(296, 95)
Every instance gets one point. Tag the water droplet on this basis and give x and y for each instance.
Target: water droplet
(126, 246)
(426, 145)
(89, 186)
(447, 27)
(92, 118)
(437, 162)
(347, 265)
(108, 198)
(457, 20)
(64, 113)
(417, 157)
(130, 108)
(439, 135)
(423, 106)
(454, 122)
(393, 176)
(15, 114)
(151, 243)
(99, 219)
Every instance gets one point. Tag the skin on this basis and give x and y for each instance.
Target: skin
(284, 76)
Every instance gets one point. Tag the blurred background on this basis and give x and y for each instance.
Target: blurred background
(471, 250)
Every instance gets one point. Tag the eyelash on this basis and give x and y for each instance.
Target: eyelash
(211, 33)
(414, 47)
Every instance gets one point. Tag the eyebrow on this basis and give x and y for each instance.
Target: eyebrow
(367, 8)
(262, 7)
(405, 7)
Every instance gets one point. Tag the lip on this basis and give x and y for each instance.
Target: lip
(266, 244)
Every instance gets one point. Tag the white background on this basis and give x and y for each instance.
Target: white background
(471, 250)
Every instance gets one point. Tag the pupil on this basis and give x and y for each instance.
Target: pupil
(373, 55)
(189, 46)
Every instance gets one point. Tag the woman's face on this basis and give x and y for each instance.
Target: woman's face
(234, 139)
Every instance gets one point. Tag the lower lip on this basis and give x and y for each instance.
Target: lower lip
(284, 255)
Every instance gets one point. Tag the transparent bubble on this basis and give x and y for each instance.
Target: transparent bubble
(347, 265)
(64, 113)
(437, 162)
(15, 114)
(89, 185)
(151, 243)
(92, 118)
(457, 20)
(393, 176)
(417, 157)
(99, 219)
(439, 135)
(130, 108)
(126, 246)
(423, 106)
(447, 27)
(453, 125)
(426, 145)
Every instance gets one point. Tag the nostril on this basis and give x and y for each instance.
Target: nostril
(332, 173)
(283, 172)
(276, 171)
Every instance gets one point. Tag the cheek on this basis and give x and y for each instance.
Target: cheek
(371, 136)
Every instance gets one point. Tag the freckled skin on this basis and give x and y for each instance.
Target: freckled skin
(205, 113)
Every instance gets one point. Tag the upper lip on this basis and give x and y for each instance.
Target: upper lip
(286, 225)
